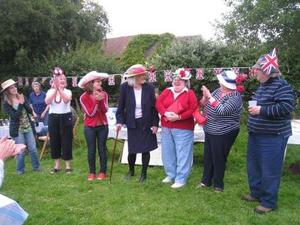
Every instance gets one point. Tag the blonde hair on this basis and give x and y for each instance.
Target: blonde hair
(8, 96)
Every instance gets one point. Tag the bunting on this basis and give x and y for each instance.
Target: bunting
(236, 70)
(199, 74)
(74, 81)
(168, 75)
(217, 71)
(152, 76)
(20, 81)
(111, 80)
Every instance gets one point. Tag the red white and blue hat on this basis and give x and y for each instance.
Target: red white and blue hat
(228, 79)
(183, 74)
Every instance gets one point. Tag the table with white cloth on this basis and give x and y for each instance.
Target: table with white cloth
(10, 212)
(155, 155)
(4, 131)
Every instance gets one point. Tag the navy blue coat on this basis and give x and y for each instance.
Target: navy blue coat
(126, 108)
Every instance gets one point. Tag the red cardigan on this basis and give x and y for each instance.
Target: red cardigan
(94, 110)
(188, 102)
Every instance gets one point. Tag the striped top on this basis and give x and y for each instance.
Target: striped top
(277, 101)
(224, 114)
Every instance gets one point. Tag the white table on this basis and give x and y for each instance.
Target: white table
(10, 212)
(4, 131)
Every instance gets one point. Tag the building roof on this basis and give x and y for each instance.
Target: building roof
(114, 47)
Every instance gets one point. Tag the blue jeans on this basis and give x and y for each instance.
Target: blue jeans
(177, 153)
(264, 164)
(28, 139)
(96, 136)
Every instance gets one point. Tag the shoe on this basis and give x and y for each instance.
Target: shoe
(177, 185)
(218, 190)
(101, 176)
(167, 180)
(202, 185)
(91, 177)
(68, 170)
(39, 169)
(54, 170)
(143, 178)
(249, 198)
(129, 175)
(20, 172)
(262, 210)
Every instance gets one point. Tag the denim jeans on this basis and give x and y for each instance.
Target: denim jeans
(177, 153)
(97, 135)
(28, 139)
(264, 164)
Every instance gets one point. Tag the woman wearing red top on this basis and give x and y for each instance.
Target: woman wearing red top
(176, 106)
(94, 102)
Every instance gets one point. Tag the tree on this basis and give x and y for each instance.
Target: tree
(34, 30)
(268, 23)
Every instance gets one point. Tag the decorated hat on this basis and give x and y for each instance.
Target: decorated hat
(93, 75)
(135, 70)
(183, 74)
(268, 63)
(6, 84)
(228, 79)
(57, 71)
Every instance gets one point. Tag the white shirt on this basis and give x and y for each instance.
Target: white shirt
(176, 94)
(1, 172)
(61, 107)
(138, 103)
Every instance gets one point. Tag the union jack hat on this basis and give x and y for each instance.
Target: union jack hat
(268, 63)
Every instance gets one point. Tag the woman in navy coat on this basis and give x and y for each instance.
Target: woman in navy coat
(136, 109)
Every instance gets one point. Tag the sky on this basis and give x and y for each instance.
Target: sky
(179, 17)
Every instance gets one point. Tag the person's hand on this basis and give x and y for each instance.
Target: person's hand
(7, 149)
(34, 114)
(154, 129)
(119, 127)
(173, 117)
(98, 95)
(254, 110)
(205, 91)
(43, 115)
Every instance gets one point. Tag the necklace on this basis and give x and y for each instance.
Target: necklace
(57, 101)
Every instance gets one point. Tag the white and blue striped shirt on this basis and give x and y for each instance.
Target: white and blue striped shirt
(225, 117)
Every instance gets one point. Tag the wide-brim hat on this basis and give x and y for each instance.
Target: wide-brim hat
(93, 75)
(6, 84)
(228, 79)
(183, 74)
(135, 70)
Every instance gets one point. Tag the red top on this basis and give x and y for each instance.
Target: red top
(188, 102)
(94, 110)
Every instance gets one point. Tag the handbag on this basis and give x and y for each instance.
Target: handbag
(200, 118)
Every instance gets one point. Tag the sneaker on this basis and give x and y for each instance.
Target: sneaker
(177, 185)
(91, 177)
(262, 210)
(249, 198)
(101, 176)
(202, 185)
(218, 190)
(54, 170)
(19, 172)
(167, 180)
(68, 170)
(39, 169)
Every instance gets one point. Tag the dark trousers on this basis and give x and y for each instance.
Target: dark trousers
(216, 151)
(96, 135)
(264, 165)
(60, 132)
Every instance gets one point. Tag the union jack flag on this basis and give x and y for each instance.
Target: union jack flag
(111, 80)
(236, 70)
(217, 71)
(168, 75)
(269, 62)
(199, 74)
(152, 76)
(74, 81)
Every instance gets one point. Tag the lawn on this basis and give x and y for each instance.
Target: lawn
(70, 199)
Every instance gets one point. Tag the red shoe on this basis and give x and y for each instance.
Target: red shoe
(101, 176)
(91, 176)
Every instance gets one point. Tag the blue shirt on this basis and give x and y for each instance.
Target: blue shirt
(277, 101)
(38, 102)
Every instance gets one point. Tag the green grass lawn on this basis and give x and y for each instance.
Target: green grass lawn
(71, 199)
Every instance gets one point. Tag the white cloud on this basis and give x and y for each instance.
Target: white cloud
(189, 17)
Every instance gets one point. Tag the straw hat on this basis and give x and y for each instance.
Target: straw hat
(227, 78)
(135, 70)
(93, 75)
(7, 84)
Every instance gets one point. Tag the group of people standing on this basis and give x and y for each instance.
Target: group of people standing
(140, 110)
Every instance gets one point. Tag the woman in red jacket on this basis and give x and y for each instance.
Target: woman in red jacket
(94, 102)
(176, 106)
